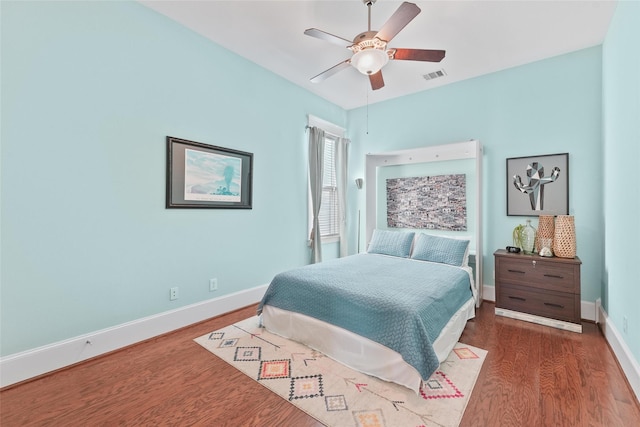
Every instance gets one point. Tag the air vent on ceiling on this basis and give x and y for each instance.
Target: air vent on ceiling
(434, 75)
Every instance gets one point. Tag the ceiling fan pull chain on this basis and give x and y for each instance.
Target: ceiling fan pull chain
(367, 110)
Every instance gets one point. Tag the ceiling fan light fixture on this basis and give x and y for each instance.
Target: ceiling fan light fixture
(369, 61)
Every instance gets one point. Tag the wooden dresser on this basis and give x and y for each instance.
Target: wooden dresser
(538, 289)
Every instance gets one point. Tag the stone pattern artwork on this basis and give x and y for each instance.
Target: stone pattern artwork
(427, 202)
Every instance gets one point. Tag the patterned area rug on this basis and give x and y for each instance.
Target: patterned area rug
(339, 396)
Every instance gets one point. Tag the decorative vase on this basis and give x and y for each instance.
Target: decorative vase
(528, 238)
(564, 239)
(546, 229)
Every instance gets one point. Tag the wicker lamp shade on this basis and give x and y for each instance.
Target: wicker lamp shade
(564, 243)
(546, 230)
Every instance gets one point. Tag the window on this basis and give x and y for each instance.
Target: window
(329, 211)
(328, 217)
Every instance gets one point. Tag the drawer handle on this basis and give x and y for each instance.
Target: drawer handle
(553, 276)
(550, 304)
(517, 298)
(515, 271)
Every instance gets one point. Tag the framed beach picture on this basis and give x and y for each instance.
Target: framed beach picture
(538, 185)
(206, 176)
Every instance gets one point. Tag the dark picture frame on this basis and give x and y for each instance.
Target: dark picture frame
(537, 193)
(207, 176)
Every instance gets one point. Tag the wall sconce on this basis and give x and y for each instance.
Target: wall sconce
(359, 182)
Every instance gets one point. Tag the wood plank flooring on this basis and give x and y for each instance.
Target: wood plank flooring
(533, 376)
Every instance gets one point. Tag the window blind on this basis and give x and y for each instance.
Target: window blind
(328, 217)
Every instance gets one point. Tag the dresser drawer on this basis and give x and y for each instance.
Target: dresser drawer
(551, 304)
(538, 273)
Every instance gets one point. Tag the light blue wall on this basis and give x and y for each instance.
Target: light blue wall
(90, 90)
(621, 93)
(547, 107)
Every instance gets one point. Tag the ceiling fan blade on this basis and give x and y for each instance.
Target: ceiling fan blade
(419, 55)
(377, 82)
(319, 34)
(331, 71)
(401, 17)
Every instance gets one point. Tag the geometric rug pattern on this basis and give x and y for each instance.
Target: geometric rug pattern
(338, 396)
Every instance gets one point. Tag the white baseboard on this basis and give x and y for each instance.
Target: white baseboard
(31, 363)
(489, 293)
(620, 349)
(587, 308)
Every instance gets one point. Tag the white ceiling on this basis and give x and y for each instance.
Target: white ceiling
(479, 37)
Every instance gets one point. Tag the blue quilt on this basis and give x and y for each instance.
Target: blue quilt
(398, 302)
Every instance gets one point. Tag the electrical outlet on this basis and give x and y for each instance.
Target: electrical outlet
(213, 285)
(624, 324)
(173, 293)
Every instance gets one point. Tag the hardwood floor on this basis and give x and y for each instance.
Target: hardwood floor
(533, 376)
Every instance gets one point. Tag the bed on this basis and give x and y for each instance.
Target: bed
(394, 312)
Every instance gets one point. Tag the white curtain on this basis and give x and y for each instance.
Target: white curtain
(341, 157)
(316, 170)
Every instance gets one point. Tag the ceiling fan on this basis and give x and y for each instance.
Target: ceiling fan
(369, 48)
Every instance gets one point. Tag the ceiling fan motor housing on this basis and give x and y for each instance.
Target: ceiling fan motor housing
(368, 39)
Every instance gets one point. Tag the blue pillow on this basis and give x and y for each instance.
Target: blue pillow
(394, 243)
(440, 249)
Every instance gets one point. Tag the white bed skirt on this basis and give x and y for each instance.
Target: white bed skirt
(361, 353)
